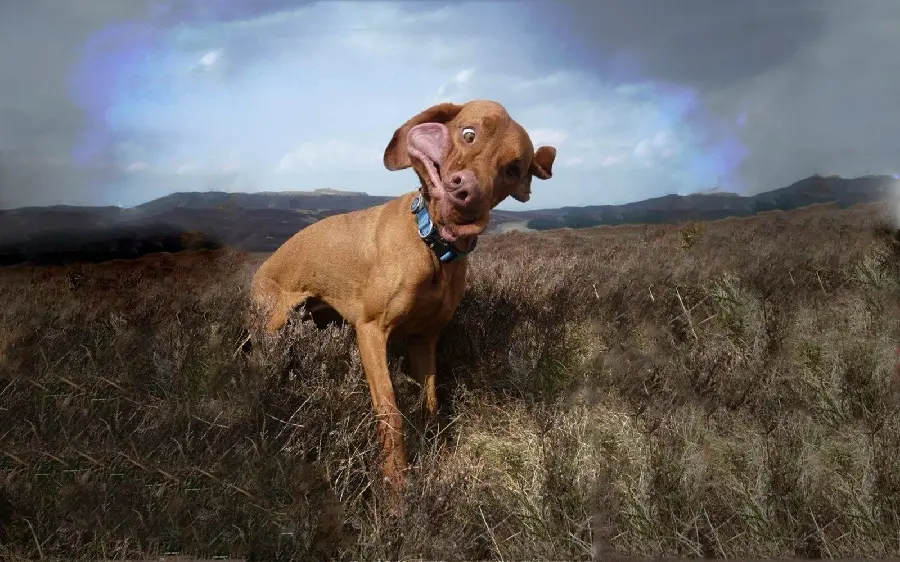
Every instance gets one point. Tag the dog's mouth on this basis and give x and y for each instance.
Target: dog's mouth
(428, 143)
(460, 235)
(437, 174)
(460, 232)
(435, 184)
(456, 226)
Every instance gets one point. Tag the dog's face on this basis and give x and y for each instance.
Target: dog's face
(469, 158)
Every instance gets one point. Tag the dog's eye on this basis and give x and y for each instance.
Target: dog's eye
(513, 171)
(468, 135)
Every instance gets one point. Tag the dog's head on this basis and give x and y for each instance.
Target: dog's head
(469, 158)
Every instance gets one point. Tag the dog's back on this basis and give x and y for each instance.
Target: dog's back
(331, 259)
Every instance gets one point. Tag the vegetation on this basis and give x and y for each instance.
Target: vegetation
(725, 389)
(74, 246)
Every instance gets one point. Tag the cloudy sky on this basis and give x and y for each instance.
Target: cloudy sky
(112, 102)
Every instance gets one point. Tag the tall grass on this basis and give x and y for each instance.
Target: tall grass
(724, 389)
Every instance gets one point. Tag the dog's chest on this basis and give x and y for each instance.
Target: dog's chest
(435, 301)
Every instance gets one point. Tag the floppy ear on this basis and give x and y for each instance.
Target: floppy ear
(396, 156)
(542, 165)
(541, 168)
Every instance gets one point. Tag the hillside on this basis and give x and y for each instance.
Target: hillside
(724, 390)
(322, 199)
(719, 205)
(260, 222)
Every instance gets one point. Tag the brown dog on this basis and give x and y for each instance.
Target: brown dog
(400, 268)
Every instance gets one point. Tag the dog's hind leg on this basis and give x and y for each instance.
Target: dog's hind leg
(286, 302)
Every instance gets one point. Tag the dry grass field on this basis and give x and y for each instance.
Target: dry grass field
(724, 389)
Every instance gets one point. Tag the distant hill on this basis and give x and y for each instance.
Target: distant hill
(260, 222)
(320, 199)
(719, 205)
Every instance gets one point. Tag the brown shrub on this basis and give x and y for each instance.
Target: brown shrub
(730, 390)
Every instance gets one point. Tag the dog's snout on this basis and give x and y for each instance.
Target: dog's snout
(464, 179)
(462, 196)
(462, 187)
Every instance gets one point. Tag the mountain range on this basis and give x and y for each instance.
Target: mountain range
(260, 222)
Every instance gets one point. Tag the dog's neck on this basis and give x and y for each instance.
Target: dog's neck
(444, 250)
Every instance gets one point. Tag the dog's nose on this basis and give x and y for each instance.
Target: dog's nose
(463, 187)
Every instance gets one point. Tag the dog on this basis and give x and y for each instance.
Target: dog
(399, 269)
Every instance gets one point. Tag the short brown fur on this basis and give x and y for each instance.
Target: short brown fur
(373, 269)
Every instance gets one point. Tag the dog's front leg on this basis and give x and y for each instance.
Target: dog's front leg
(372, 341)
(422, 367)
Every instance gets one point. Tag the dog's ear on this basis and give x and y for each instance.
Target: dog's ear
(541, 168)
(396, 156)
(542, 165)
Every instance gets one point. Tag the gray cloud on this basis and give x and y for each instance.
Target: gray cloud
(815, 82)
(831, 108)
(39, 44)
(699, 43)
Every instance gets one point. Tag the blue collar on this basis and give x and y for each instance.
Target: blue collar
(430, 235)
